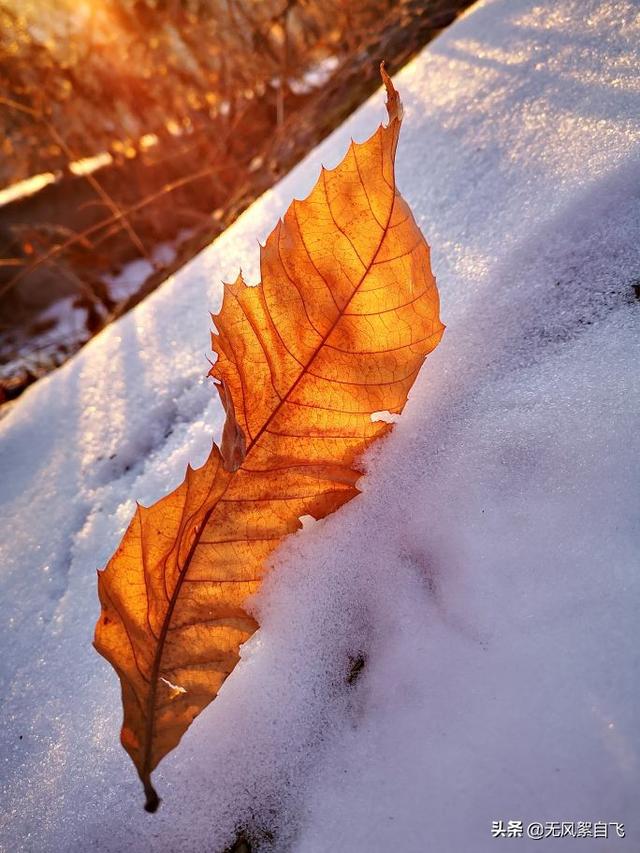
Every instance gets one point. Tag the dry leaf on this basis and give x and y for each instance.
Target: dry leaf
(337, 331)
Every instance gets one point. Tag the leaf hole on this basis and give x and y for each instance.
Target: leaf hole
(386, 416)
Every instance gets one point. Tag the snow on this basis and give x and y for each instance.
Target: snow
(488, 574)
(62, 328)
(316, 76)
(134, 273)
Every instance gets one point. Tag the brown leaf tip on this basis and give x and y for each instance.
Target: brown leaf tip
(393, 103)
(153, 800)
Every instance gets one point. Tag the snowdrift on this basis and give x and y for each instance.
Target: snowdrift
(488, 575)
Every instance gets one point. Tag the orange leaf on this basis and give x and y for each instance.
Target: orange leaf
(337, 330)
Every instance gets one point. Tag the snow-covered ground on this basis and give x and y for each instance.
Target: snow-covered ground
(490, 570)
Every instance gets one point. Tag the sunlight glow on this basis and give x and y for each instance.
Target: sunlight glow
(26, 187)
(89, 164)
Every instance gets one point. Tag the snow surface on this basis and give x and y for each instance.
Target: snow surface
(489, 571)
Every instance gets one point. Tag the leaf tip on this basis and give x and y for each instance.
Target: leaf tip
(393, 103)
(153, 800)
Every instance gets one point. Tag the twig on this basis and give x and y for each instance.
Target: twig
(92, 180)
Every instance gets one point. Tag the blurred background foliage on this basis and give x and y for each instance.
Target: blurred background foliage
(107, 73)
(133, 131)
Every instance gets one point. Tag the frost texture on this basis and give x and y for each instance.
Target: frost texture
(501, 676)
